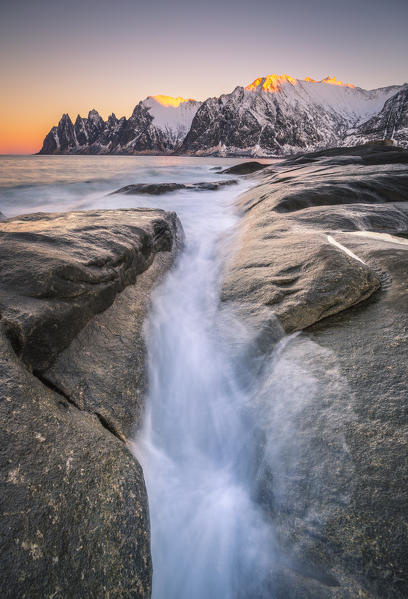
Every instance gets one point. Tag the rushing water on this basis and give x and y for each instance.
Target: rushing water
(196, 445)
(207, 403)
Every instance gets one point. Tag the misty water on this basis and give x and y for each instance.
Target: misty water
(197, 446)
(215, 416)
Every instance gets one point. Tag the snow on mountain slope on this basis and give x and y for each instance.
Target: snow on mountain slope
(278, 114)
(273, 116)
(172, 115)
(391, 122)
(158, 124)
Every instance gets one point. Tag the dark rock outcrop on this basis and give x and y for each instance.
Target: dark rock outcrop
(160, 188)
(334, 474)
(370, 153)
(244, 168)
(80, 262)
(74, 294)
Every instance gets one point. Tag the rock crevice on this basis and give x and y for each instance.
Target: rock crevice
(74, 294)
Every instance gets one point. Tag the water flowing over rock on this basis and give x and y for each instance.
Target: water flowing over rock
(323, 244)
(74, 294)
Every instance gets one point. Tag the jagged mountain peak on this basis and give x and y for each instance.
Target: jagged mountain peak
(93, 115)
(274, 115)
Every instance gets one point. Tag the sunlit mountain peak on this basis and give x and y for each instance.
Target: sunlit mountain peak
(270, 83)
(335, 81)
(170, 101)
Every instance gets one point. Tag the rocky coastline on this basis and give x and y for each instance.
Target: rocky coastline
(323, 245)
(322, 249)
(74, 295)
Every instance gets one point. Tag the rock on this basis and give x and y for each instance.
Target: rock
(245, 168)
(370, 153)
(81, 261)
(75, 516)
(333, 475)
(334, 183)
(2, 217)
(75, 521)
(160, 188)
(301, 278)
(103, 369)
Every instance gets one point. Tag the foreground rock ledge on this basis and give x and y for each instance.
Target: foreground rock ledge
(323, 245)
(74, 293)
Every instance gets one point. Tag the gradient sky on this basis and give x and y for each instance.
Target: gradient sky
(70, 56)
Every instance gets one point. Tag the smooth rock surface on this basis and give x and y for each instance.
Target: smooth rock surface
(244, 168)
(334, 471)
(75, 519)
(65, 268)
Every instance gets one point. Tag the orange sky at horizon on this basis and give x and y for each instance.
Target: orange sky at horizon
(63, 57)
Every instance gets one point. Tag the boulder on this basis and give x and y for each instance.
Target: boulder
(244, 168)
(301, 278)
(160, 188)
(65, 268)
(333, 472)
(75, 520)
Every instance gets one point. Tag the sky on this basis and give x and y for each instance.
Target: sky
(59, 56)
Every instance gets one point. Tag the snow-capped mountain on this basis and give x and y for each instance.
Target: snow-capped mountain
(158, 124)
(391, 122)
(273, 116)
(277, 115)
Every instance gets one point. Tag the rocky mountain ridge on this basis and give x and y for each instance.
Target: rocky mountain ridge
(273, 116)
(157, 125)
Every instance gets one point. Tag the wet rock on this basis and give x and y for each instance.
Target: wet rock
(330, 185)
(103, 369)
(65, 268)
(75, 516)
(160, 188)
(245, 168)
(301, 278)
(335, 429)
(370, 153)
